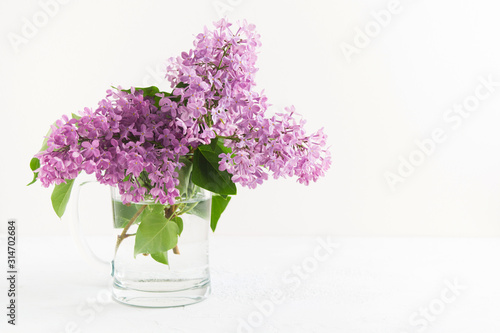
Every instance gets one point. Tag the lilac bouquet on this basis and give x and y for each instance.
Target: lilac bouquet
(211, 127)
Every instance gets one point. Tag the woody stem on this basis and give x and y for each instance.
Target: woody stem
(124, 234)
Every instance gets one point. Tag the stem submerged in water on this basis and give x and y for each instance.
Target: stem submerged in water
(170, 213)
(124, 234)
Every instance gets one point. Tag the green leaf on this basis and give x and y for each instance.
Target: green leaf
(144, 180)
(200, 209)
(206, 173)
(149, 92)
(219, 204)
(180, 223)
(182, 85)
(75, 116)
(155, 234)
(161, 257)
(184, 177)
(220, 144)
(213, 144)
(43, 148)
(34, 164)
(155, 209)
(60, 196)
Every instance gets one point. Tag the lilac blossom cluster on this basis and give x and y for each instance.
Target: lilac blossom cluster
(219, 74)
(127, 137)
(136, 141)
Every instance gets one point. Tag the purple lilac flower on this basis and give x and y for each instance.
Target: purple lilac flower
(225, 61)
(213, 96)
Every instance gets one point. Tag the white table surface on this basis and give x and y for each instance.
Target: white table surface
(366, 285)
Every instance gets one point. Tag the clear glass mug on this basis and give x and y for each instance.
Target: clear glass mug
(143, 281)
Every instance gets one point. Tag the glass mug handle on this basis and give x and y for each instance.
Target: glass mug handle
(74, 222)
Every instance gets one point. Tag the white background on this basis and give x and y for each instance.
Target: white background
(394, 91)
(374, 104)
